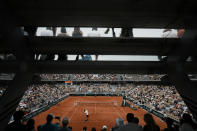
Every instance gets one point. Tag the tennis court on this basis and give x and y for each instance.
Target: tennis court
(103, 110)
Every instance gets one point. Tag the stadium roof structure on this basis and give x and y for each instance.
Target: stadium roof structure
(101, 13)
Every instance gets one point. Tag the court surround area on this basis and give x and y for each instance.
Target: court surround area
(103, 110)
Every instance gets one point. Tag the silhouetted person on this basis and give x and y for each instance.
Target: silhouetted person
(30, 125)
(10, 57)
(63, 32)
(131, 125)
(187, 123)
(93, 129)
(38, 128)
(70, 127)
(169, 123)
(77, 58)
(62, 57)
(54, 29)
(113, 32)
(49, 126)
(77, 32)
(31, 30)
(150, 123)
(17, 125)
(126, 32)
(65, 122)
(50, 56)
(85, 128)
(136, 121)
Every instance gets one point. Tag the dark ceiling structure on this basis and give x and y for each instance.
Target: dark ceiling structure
(174, 14)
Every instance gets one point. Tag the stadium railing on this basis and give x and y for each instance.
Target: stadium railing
(96, 80)
(93, 94)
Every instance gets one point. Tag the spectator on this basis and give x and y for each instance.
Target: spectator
(87, 57)
(93, 129)
(30, 125)
(62, 57)
(150, 123)
(54, 29)
(187, 123)
(38, 96)
(180, 32)
(84, 128)
(119, 124)
(131, 125)
(17, 125)
(107, 77)
(38, 128)
(169, 123)
(164, 99)
(126, 32)
(104, 128)
(30, 30)
(77, 32)
(63, 32)
(113, 32)
(65, 122)
(49, 126)
(136, 121)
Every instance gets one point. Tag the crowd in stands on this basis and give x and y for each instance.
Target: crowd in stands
(38, 96)
(161, 98)
(164, 99)
(132, 124)
(103, 88)
(101, 77)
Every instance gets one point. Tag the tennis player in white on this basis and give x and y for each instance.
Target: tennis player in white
(86, 113)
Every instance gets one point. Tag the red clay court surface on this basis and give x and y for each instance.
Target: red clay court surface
(99, 114)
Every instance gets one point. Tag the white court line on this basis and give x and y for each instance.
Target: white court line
(73, 113)
(95, 108)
